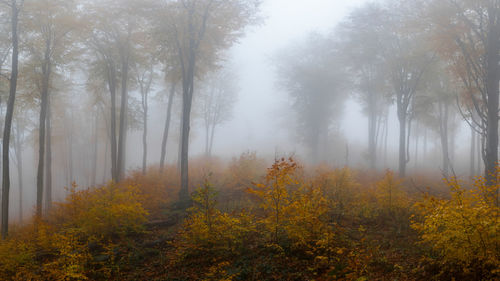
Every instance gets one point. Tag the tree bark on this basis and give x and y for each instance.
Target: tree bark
(386, 136)
(472, 167)
(8, 121)
(443, 132)
(417, 142)
(167, 126)
(372, 129)
(19, 157)
(48, 159)
(95, 148)
(492, 90)
(187, 57)
(46, 71)
(70, 151)
(111, 73)
(187, 98)
(144, 132)
(424, 157)
(211, 143)
(123, 120)
(402, 144)
(207, 137)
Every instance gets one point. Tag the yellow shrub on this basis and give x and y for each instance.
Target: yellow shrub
(338, 187)
(390, 196)
(464, 229)
(295, 214)
(16, 257)
(209, 232)
(57, 248)
(104, 211)
(72, 258)
(306, 216)
(156, 189)
(274, 196)
(386, 202)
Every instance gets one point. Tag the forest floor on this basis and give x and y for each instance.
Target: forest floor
(247, 222)
(392, 256)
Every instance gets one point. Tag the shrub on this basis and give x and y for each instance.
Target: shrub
(463, 230)
(338, 187)
(59, 247)
(106, 211)
(209, 233)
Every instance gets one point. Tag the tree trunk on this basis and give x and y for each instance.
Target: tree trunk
(48, 159)
(112, 91)
(123, 121)
(19, 156)
(492, 88)
(479, 152)
(8, 122)
(424, 157)
(372, 135)
(95, 148)
(417, 142)
(443, 132)
(167, 126)
(46, 71)
(211, 143)
(70, 151)
(187, 98)
(207, 137)
(179, 148)
(402, 145)
(472, 168)
(386, 136)
(144, 132)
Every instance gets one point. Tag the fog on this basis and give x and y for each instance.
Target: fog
(263, 116)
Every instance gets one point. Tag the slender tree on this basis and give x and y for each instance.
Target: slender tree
(167, 126)
(198, 30)
(362, 47)
(50, 23)
(467, 36)
(15, 7)
(315, 86)
(217, 97)
(406, 59)
(144, 79)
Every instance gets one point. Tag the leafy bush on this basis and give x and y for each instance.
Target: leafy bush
(464, 230)
(156, 189)
(59, 248)
(339, 187)
(106, 211)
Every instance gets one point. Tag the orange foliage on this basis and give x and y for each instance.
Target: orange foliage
(59, 247)
(464, 230)
(247, 225)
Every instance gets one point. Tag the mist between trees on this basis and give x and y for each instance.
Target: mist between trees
(79, 78)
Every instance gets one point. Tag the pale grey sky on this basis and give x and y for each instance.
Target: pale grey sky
(256, 125)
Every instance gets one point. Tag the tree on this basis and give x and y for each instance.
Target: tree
(362, 47)
(198, 31)
(167, 125)
(116, 30)
(310, 74)
(406, 59)
(50, 23)
(15, 7)
(217, 97)
(18, 141)
(468, 37)
(172, 72)
(434, 106)
(144, 75)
